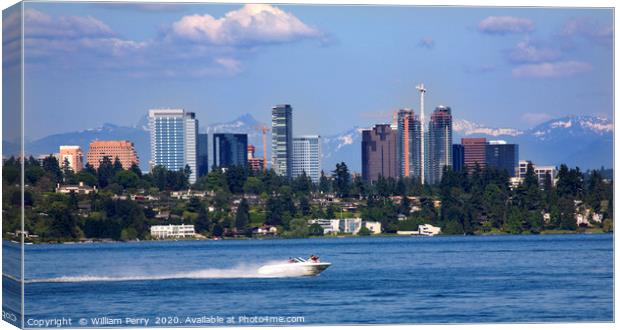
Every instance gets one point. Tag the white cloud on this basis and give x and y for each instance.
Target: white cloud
(588, 30)
(525, 52)
(505, 25)
(549, 70)
(534, 118)
(194, 46)
(248, 26)
(40, 25)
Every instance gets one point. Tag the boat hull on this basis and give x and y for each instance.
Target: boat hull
(294, 269)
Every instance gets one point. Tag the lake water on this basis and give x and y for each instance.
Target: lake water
(549, 278)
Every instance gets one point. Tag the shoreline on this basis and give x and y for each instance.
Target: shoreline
(593, 231)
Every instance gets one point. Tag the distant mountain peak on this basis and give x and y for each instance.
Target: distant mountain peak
(245, 123)
(465, 127)
(573, 125)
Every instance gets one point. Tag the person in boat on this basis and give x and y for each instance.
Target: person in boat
(314, 258)
(291, 260)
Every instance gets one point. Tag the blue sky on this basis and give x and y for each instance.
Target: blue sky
(338, 66)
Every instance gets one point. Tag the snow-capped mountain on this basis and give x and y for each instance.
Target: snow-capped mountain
(573, 126)
(464, 127)
(243, 124)
(343, 147)
(584, 141)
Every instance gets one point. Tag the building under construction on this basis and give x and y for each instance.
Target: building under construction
(256, 164)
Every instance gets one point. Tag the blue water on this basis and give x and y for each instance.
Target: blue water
(550, 278)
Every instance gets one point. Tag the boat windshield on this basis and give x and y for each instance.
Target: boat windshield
(299, 259)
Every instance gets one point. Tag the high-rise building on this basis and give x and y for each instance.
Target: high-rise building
(282, 139)
(73, 156)
(408, 144)
(202, 159)
(307, 157)
(255, 164)
(502, 156)
(439, 143)
(230, 149)
(379, 156)
(458, 159)
(123, 150)
(173, 140)
(474, 153)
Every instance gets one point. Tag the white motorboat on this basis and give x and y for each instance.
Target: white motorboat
(295, 267)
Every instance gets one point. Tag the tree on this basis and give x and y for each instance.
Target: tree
(11, 173)
(126, 178)
(51, 166)
(63, 222)
(136, 169)
(608, 226)
(570, 182)
(405, 205)
(33, 174)
(275, 211)
(67, 171)
(324, 185)
(494, 201)
(217, 230)
(202, 221)
(216, 180)
(302, 184)
(253, 185)
(105, 172)
(243, 215)
(566, 208)
(304, 206)
(315, 230)
(298, 228)
(235, 178)
(117, 165)
(364, 231)
(342, 180)
(359, 187)
(331, 212)
(87, 178)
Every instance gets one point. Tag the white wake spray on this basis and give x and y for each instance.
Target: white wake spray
(239, 271)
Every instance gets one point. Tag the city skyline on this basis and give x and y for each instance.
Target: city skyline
(507, 57)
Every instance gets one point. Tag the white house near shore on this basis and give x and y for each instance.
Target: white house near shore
(172, 231)
(346, 226)
(425, 229)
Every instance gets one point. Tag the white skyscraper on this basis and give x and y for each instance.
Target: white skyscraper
(173, 140)
(307, 156)
(282, 139)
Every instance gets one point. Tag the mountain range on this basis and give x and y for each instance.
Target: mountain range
(584, 141)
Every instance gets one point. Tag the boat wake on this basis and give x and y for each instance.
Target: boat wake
(239, 271)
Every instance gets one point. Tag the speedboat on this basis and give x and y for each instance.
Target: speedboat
(295, 267)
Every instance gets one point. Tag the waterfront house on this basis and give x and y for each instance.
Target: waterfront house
(346, 226)
(373, 226)
(330, 226)
(173, 231)
(428, 230)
